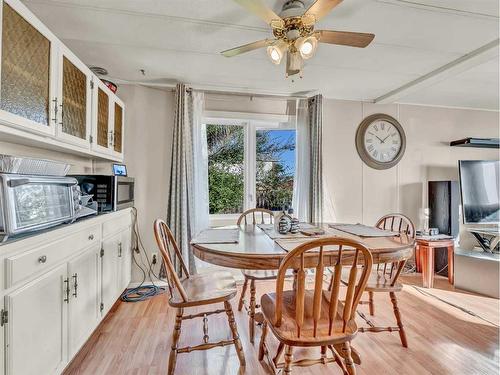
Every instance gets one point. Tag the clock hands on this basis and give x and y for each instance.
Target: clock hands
(381, 141)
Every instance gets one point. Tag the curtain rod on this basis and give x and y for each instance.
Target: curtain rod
(240, 93)
(171, 86)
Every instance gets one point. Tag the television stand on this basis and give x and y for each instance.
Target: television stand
(488, 238)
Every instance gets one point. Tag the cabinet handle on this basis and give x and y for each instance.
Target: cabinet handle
(91, 237)
(42, 259)
(119, 249)
(62, 114)
(66, 291)
(110, 138)
(75, 285)
(55, 110)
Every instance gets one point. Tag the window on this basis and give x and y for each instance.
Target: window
(226, 156)
(275, 162)
(250, 164)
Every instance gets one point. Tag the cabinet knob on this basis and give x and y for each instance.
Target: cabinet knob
(42, 259)
(91, 237)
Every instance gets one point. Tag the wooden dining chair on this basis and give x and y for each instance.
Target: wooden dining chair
(384, 279)
(316, 317)
(254, 216)
(193, 291)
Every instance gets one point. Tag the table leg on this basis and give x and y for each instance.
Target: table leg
(427, 257)
(451, 252)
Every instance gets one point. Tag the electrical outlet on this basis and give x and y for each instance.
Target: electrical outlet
(154, 258)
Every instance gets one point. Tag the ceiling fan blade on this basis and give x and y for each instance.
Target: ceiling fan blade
(321, 8)
(345, 38)
(247, 47)
(261, 10)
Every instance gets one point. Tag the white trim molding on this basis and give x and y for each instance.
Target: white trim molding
(481, 55)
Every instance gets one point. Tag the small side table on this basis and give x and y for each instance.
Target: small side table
(424, 259)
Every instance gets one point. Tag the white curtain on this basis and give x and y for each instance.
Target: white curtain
(308, 182)
(200, 166)
(188, 201)
(301, 183)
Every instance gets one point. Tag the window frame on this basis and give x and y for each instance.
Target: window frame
(250, 127)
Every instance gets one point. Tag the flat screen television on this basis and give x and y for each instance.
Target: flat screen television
(480, 191)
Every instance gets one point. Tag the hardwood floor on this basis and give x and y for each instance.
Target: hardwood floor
(135, 339)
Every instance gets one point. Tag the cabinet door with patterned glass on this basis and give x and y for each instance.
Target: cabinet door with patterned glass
(118, 126)
(102, 117)
(27, 83)
(74, 112)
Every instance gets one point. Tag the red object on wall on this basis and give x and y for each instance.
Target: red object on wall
(110, 85)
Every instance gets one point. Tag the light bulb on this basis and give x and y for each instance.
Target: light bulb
(275, 55)
(276, 51)
(307, 46)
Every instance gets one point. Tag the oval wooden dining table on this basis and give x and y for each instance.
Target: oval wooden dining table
(255, 250)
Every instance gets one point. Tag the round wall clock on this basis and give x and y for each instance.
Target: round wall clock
(381, 141)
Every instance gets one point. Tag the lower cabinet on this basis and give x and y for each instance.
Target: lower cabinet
(48, 319)
(109, 263)
(125, 260)
(37, 325)
(116, 264)
(83, 298)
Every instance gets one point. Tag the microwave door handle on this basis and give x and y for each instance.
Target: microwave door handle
(25, 181)
(18, 182)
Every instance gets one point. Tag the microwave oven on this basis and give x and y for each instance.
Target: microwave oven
(112, 193)
(30, 203)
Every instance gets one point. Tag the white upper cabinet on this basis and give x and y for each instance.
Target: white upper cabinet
(102, 118)
(28, 87)
(74, 115)
(46, 94)
(108, 121)
(118, 127)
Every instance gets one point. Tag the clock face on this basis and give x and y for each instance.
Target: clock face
(382, 141)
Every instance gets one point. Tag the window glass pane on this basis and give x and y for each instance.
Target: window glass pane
(226, 153)
(275, 156)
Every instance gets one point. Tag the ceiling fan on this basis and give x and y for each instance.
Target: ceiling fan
(294, 33)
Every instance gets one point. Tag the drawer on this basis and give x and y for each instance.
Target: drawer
(32, 262)
(116, 225)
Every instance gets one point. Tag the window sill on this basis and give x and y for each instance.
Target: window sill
(222, 220)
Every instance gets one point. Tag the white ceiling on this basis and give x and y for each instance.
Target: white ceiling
(180, 40)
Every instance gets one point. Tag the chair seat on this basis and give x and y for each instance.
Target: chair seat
(378, 282)
(287, 331)
(205, 289)
(264, 274)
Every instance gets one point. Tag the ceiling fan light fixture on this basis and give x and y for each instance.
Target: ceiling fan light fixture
(276, 52)
(294, 64)
(307, 46)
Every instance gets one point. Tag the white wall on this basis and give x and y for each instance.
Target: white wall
(358, 193)
(148, 140)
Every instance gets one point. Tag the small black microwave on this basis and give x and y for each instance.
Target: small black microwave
(112, 193)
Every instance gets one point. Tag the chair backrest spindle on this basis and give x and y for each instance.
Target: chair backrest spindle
(266, 216)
